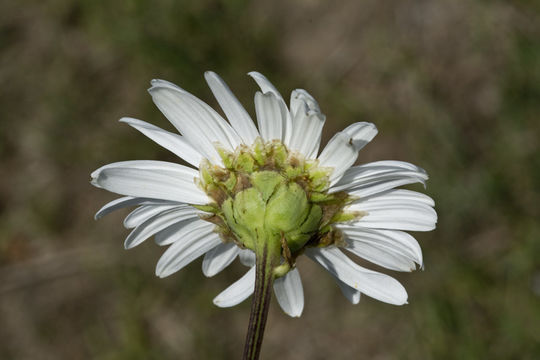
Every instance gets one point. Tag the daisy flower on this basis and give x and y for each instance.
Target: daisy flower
(265, 194)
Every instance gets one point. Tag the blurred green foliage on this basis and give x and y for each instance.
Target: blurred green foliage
(454, 86)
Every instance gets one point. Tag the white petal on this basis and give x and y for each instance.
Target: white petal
(300, 100)
(181, 253)
(289, 293)
(223, 130)
(397, 209)
(145, 212)
(238, 291)
(308, 122)
(339, 155)
(380, 256)
(198, 122)
(394, 197)
(371, 178)
(164, 166)
(180, 230)
(399, 196)
(265, 85)
(350, 293)
(306, 135)
(391, 241)
(399, 219)
(177, 144)
(158, 223)
(376, 285)
(271, 116)
(385, 165)
(170, 183)
(127, 201)
(247, 257)
(342, 150)
(235, 112)
(375, 186)
(168, 84)
(361, 134)
(219, 258)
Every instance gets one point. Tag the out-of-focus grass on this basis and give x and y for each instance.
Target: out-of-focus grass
(454, 86)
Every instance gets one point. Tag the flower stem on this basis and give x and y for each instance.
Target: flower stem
(264, 278)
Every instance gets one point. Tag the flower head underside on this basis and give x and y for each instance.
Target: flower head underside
(268, 187)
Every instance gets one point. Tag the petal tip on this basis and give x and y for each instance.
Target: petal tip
(94, 182)
(295, 314)
(208, 273)
(160, 273)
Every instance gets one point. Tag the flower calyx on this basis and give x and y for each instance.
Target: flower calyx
(268, 197)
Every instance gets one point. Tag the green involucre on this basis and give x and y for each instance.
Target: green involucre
(266, 197)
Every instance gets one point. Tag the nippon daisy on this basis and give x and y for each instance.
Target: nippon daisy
(266, 195)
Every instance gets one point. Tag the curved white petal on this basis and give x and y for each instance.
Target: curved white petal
(181, 253)
(267, 87)
(223, 130)
(198, 122)
(219, 258)
(168, 84)
(158, 223)
(393, 164)
(145, 212)
(308, 122)
(247, 257)
(399, 219)
(398, 196)
(361, 134)
(235, 112)
(389, 241)
(300, 100)
(378, 168)
(172, 182)
(371, 178)
(155, 165)
(180, 230)
(384, 183)
(380, 256)
(342, 150)
(289, 293)
(271, 116)
(175, 143)
(350, 293)
(376, 285)
(306, 135)
(127, 201)
(339, 155)
(265, 84)
(238, 291)
(397, 209)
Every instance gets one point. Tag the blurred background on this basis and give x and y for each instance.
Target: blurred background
(452, 85)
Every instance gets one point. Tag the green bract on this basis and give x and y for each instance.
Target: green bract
(266, 196)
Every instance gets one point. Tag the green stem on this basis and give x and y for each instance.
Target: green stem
(264, 278)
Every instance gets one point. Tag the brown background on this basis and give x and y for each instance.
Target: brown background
(453, 86)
